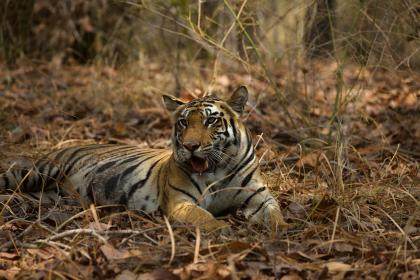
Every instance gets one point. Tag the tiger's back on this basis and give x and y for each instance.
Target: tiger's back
(101, 174)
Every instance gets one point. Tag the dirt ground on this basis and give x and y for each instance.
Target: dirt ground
(345, 170)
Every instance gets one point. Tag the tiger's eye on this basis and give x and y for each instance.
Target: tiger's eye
(211, 120)
(182, 122)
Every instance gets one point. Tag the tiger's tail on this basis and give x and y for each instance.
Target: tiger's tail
(30, 178)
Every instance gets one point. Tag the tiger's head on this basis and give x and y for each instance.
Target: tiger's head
(206, 131)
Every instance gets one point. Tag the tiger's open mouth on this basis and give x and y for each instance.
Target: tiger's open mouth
(199, 165)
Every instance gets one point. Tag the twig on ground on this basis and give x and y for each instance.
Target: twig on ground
(172, 237)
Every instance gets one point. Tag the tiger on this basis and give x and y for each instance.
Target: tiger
(210, 169)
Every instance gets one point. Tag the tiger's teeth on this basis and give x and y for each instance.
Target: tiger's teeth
(199, 165)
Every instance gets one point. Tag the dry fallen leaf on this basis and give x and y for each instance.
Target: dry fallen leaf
(9, 273)
(291, 276)
(9, 256)
(99, 226)
(42, 253)
(343, 247)
(311, 159)
(126, 275)
(297, 210)
(338, 267)
(112, 253)
(158, 274)
(416, 262)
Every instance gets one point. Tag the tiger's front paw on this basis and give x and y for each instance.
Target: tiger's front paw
(274, 220)
(216, 225)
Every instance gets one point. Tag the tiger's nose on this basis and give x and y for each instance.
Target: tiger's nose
(191, 145)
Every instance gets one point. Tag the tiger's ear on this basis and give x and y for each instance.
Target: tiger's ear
(171, 102)
(238, 99)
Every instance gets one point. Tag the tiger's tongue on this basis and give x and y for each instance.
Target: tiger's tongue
(199, 165)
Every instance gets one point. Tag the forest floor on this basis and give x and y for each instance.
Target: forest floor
(347, 175)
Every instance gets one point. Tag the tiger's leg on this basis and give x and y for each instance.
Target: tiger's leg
(261, 207)
(191, 213)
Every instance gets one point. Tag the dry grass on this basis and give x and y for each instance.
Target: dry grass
(347, 175)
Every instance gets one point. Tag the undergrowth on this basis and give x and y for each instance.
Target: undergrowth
(350, 192)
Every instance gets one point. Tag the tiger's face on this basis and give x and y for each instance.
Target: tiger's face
(206, 131)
